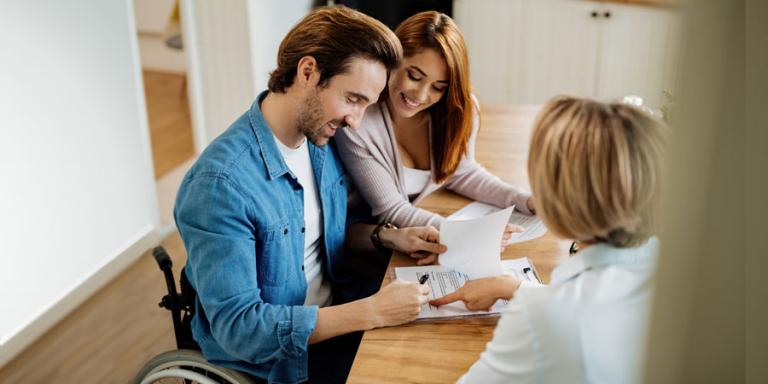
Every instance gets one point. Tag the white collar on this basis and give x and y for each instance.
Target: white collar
(601, 254)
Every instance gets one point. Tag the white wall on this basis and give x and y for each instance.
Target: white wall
(77, 198)
(231, 48)
(269, 22)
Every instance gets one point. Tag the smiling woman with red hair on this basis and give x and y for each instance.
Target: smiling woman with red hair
(421, 135)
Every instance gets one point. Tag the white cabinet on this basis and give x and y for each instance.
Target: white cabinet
(638, 49)
(526, 51)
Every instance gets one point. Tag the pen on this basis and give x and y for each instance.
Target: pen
(423, 279)
(530, 274)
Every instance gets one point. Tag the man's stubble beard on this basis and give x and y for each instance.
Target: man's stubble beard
(308, 120)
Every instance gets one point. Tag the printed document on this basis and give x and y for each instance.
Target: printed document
(533, 225)
(474, 245)
(443, 281)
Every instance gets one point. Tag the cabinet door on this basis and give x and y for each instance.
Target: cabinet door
(559, 51)
(491, 30)
(637, 53)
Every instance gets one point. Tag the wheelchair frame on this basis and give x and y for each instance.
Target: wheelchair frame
(187, 363)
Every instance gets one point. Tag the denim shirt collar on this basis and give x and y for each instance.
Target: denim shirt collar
(265, 139)
(600, 255)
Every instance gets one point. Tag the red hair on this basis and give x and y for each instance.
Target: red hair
(452, 114)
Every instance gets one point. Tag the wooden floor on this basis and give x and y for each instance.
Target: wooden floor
(110, 336)
(170, 127)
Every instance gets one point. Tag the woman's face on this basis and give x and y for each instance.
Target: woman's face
(418, 83)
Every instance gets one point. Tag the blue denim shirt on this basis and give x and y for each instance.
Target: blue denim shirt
(240, 212)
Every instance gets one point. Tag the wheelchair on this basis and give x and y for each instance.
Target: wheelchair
(185, 364)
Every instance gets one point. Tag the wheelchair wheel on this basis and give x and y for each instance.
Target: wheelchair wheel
(187, 366)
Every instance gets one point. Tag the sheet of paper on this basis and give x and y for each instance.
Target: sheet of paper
(534, 227)
(474, 210)
(443, 281)
(474, 245)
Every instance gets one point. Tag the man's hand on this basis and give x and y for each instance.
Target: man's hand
(508, 231)
(481, 294)
(420, 243)
(399, 302)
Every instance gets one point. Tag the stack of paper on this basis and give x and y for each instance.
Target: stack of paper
(474, 248)
(443, 281)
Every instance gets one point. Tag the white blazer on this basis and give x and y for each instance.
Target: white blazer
(588, 325)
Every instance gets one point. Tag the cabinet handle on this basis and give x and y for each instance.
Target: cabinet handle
(594, 14)
(607, 14)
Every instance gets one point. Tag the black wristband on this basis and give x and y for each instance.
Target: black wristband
(376, 239)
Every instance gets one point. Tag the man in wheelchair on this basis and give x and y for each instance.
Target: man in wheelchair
(263, 214)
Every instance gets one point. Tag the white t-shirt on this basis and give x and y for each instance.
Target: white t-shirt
(416, 180)
(298, 161)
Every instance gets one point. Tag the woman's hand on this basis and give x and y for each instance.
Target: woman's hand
(420, 243)
(508, 231)
(481, 294)
(531, 205)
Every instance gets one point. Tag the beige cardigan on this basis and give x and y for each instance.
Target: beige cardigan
(372, 159)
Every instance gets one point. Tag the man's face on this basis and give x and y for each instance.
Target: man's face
(342, 102)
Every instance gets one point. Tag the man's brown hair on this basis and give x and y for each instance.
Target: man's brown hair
(334, 36)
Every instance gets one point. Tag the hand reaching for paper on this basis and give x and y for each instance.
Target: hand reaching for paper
(421, 243)
(508, 231)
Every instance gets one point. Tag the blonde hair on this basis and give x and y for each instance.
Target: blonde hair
(452, 114)
(595, 170)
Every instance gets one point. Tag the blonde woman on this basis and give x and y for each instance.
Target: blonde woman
(595, 170)
(421, 134)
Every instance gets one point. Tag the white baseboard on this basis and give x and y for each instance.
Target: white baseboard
(37, 328)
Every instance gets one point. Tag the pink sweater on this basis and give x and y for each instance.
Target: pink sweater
(372, 159)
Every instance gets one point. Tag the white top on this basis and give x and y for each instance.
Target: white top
(587, 326)
(298, 161)
(416, 180)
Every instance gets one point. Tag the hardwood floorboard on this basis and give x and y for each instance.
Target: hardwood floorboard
(108, 338)
(170, 127)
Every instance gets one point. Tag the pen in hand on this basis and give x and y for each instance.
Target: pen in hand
(423, 279)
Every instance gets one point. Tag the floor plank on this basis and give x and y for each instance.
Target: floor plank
(110, 336)
(170, 127)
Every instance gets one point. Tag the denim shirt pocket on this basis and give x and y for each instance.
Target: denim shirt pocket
(273, 259)
(339, 201)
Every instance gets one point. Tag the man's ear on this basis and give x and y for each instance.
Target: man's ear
(306, 71)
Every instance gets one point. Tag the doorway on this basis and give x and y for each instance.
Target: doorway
(164, 72)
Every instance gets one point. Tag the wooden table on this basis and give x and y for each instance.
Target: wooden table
(440, 351)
